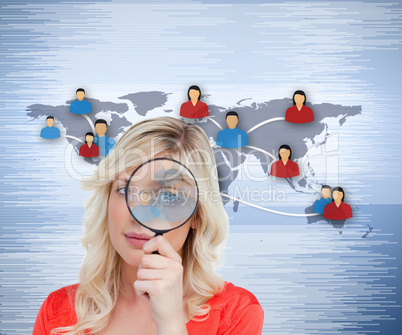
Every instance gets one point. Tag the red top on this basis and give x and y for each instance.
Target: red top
(194, 112)
(332, 212)
(234, 311)
(86, 151)
(304, 115)
(291, 169)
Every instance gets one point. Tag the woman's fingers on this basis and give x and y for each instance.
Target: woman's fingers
(150, 274)
(162, 245)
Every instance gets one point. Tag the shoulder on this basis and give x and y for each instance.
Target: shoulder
(224, 131)
(232, 300)
(238, 308)
(241, 131)
(293, 163)
(61, 301)
(231, 294)
(58, 310)
(346, 206)
(291, 108)
(307, 109)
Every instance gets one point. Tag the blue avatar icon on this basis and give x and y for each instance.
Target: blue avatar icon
(80, 106)
(104, 142)
(232, 137)
(50, 132)
(320, 204)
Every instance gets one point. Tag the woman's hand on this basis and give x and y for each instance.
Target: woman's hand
(160, 281)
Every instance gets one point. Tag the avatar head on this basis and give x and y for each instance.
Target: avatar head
(337, 192)
(284, 152)
(325, 191)
(80, 94)
(89, 137)
(50, 121)
(194, 92)
(100, 127)
(299, 97)
(232, 119)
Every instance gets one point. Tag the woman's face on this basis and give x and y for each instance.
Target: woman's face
(299, 99)
(194, 94)
(337, 195)
(122, 223)
(284, 153)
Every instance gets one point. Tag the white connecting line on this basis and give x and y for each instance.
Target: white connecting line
(91, 125)
(267, 209)
(273, 157)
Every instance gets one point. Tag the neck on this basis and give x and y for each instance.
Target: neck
(299, 106)
(285, 160)
(128, 277)
(194, 101)
(338, 202)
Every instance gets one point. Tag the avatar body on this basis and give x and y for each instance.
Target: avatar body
(299, 112)
(80, 106)
(50, 132)
(232, 137)
(320, 204)
(194, 108)
(337, 209)
(284, 167)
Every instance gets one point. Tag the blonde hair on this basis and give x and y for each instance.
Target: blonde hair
(100, 273)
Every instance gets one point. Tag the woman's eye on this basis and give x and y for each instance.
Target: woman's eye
(169, 197)
(121, 190)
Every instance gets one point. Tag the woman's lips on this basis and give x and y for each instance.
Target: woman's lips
(137, 240)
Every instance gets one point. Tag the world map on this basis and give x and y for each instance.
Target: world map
(264, 122)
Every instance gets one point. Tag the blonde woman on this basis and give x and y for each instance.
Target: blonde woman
(128, 289)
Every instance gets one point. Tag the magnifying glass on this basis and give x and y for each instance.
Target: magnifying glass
(162, 195)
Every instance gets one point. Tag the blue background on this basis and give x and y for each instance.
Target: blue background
(310, 278)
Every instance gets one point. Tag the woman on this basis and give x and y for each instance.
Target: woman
(194, 108)
(128, 289)
(299, 113)
(284, 167)
(89, 149)
(337, 209)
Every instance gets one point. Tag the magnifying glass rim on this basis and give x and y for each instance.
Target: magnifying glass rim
(160, 231)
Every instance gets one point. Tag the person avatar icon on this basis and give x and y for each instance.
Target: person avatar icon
(284, 167)
(320, 204)
(80, 106)
(299, 113)
(89, 149)
(194, 108)
(337, 209)
(232, 137)
(104, 142)
(50, 132)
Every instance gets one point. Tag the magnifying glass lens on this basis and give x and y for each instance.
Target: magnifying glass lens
(162, 194)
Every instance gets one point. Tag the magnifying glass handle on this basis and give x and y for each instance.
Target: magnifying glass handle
(157, 234)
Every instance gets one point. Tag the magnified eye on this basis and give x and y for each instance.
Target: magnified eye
(170, 196)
